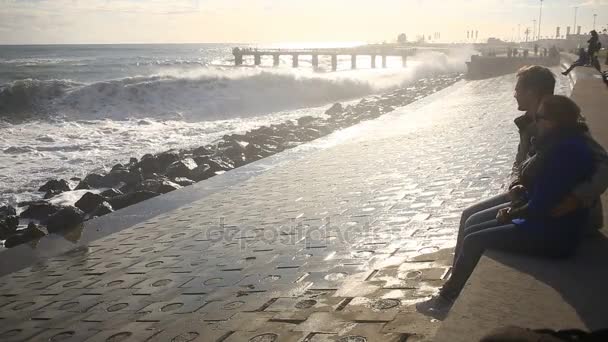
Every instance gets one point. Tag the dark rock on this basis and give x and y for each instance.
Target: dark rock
(127, 188)
(335, 109)
(307, 120)
(102, 209)
(111, 193)
(118, 167)
(8, 226)
(126, 200)
(39, 210)
(12, 221)
(167, 158)
(94, 179)
(202, 151)
(83, 185)
(153, 176)
(89, 201)
(181, 168)
(32, 232)
(236, 154)
(161, 186)
(121, 176)
(168, 186)
(66, 218)
(220, 163)
(148, 164)
(7, 210)
(202, 172)
(183, 181)
(51, 193)
(252, 149)
(215, 163)
(60, 185)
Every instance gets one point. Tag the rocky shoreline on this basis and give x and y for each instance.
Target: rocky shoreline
(152, 175)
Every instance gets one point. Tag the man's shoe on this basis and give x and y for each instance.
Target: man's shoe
(565, 73)
(437, 307)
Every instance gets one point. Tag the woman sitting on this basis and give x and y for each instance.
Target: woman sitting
(583, 59)
(563, 160)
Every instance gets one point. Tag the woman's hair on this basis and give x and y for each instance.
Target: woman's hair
(561, 109)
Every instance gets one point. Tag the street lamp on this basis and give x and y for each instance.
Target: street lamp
(534, 33)
(574, 28)
(540, 17)
(518, 33)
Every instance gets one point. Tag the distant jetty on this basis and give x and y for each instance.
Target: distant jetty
(373, 51)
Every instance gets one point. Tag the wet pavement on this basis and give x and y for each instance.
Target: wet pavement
(336, 246)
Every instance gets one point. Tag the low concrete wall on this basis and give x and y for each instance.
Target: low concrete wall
(485, 67)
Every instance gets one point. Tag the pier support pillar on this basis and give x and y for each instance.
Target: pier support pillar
(353, 61)
(334, 62)
(404, 60)
(373, 61)
(238, 59)
(295, 60)
(275, 60)
(315, 61)
(257, 59)
(384, 61)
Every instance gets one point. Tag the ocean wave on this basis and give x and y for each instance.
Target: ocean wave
(202, 94)
(30, 98)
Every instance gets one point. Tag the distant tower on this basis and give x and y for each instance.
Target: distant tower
(402, 39)
(567, 31)
(476, 34)
(578, 30)
(468, 36)
(557, 33)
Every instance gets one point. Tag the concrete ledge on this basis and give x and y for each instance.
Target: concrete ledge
(510, 290)
(529, 292)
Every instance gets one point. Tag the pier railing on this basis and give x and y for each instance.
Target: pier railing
(368, 50)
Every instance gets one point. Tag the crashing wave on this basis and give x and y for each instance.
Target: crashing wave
(202, 95)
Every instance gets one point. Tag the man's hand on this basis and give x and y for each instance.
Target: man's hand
(517, 194)
(504, 215)
(566, 206)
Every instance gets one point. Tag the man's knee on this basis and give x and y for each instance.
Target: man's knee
(468, 212)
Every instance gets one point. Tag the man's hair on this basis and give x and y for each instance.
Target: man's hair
(561, 109)
(538, 79)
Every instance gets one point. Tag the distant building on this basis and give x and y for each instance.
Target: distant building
(573, 41)
(495, 41)
(402, 39)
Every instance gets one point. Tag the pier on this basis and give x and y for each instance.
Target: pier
(373, 51)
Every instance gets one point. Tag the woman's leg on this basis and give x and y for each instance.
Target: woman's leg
(572, 66)
(490, 223)
(508, 238)
(491, 203)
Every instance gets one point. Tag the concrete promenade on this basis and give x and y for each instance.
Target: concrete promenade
(337, 246)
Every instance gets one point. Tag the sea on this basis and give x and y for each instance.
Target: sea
(68, 110)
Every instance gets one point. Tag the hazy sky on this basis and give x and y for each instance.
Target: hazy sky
(263, 21)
